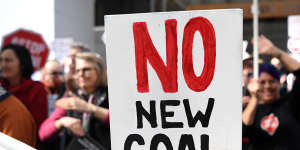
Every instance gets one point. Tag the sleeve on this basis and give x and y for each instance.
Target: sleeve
(106, 121)
(39, 107)
(48, 130)
(17, 122)
(295, 95)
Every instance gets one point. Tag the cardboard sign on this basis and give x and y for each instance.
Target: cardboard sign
(294, 26)
(7, 143)
(33, 41)
(294, 44)
(294, 34)
(61, 47)
(174, 80)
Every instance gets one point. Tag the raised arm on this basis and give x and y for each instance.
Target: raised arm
(250, 110)
(266, 47)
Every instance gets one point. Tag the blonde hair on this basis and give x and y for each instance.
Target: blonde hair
(99, 66)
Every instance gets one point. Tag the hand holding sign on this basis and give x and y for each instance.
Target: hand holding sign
(253, 87)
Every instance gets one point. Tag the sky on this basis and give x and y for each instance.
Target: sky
(35, 15)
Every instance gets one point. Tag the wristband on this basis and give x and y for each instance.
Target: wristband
(93, 110)
(279, 55)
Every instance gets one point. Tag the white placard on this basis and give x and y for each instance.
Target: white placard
(61, 47)
(204, 77)
(294, 26)
(9, 143)
(293, 45)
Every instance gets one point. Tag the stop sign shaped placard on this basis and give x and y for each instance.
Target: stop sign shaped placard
(33, 42)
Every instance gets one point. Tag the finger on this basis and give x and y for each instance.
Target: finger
(60, 103)
(71, 94)
(65, 103)
(78, 130)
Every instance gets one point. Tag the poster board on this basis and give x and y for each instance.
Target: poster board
(33, 41)
(164, 68)
(293, 42)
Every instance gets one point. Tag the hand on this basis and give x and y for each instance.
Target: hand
(253, 87)
(71, 123)
(283, 79)
(73, 103)
(266, 47)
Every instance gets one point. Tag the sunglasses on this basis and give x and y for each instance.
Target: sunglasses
(55, 73)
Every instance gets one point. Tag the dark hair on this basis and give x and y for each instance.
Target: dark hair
(24, 57)
(248, 63)
(270, 69)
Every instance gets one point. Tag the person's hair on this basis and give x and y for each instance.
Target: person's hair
(248, 63)
(82, 47)
(43, 71)
(99, 66)
(270, 69)
(23, 56)
(54, 61)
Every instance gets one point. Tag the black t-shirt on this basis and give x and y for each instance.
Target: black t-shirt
(277, 125)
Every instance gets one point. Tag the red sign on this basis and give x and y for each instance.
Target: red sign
(33, 42)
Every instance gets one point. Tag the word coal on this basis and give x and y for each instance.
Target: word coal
(186, 140)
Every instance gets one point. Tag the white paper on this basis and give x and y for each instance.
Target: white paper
(225, 125)
(294, 26)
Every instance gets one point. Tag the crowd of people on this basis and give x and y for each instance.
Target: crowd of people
(70, 103)
(67, 106)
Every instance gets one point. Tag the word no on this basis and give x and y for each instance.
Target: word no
(145, 50)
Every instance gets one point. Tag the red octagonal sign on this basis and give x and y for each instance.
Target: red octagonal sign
(33, 42)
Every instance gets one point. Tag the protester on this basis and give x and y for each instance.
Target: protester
(17, 68)
(84, 113)
(16, 120)
(52, 78)
(247, 72)
(272, 122)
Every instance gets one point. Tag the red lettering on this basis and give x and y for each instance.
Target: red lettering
(145, 50)
(167, 74)
(206, 29)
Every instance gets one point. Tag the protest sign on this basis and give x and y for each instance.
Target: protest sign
(9, 143)
(33, 41)
(294, 26)
(293, 43)
(61, 47)
(174, 80)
